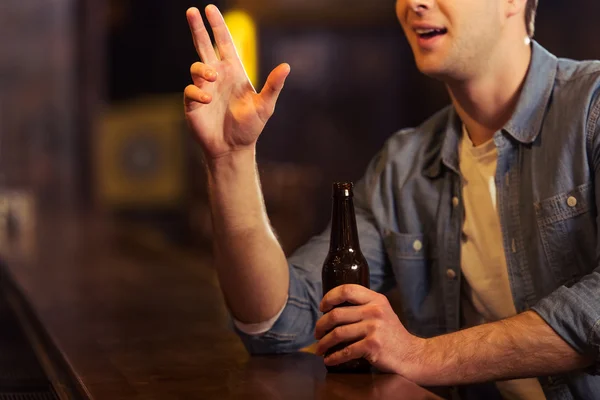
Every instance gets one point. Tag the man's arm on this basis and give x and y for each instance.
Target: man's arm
(226, 115)
(518, 347)
(251, 265)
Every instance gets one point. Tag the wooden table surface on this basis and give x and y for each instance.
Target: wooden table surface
(148, 324)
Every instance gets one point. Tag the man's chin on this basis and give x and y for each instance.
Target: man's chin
(432, 70)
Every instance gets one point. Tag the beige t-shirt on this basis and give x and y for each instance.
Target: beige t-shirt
(486, 292)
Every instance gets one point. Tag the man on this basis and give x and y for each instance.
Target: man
(484, 217)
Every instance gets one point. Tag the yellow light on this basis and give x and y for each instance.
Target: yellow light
(243, 32)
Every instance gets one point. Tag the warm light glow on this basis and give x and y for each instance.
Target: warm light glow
(243, 31)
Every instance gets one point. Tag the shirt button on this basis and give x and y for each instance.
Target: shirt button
(455, 201)
(572, 201)
(450, 274)
(417, 245)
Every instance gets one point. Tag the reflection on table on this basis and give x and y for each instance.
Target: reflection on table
(148, 322)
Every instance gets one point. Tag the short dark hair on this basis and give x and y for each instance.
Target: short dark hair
(530, 10)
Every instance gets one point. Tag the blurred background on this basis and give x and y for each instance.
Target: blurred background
(91, 119)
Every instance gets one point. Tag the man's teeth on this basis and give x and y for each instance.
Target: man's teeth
(430, 32)
(425, 31)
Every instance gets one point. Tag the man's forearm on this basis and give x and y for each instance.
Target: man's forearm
(518, 347)
(251, 265)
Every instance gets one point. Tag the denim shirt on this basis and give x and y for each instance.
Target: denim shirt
(409, 215)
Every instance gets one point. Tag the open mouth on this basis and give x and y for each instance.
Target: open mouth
(430, 33)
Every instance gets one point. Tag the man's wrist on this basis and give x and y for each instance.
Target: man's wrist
(239, 160)
(417, 363)
(445, 360)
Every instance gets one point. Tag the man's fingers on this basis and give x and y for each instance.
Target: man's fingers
(273, 86)
(336, 317)
(192, 95)
(202, 73)
(353, 294)
(350, 352)
(221, 33)
(342, 334)
(202, 42)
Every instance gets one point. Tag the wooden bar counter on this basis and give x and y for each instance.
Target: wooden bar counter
(113, 322)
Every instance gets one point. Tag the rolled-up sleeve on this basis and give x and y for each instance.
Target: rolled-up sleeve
(574, 312)
(294, 329)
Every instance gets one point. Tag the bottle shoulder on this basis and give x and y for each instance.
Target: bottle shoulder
(341, 258)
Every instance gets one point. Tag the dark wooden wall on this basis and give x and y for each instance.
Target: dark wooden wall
(51, 72)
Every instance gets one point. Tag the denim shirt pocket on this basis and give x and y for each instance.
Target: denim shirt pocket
(568, 233)
(412, 257)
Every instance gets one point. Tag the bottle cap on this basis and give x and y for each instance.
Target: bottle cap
(343, 189)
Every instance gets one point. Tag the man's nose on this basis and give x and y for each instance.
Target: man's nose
(419, 6)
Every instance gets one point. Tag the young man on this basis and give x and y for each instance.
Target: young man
(484, 217)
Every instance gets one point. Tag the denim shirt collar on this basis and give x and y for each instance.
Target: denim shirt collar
(525, 123)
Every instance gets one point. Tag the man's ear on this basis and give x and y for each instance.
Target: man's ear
(514, 7)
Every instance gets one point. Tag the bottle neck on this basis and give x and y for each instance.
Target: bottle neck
(344, 234)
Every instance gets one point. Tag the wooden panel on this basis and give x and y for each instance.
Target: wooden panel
(37, 75)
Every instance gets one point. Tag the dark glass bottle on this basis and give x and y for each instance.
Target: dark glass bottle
(345, 263)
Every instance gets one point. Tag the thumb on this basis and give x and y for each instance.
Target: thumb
(273, 87)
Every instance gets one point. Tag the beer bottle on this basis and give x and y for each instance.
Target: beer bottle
(345, 263)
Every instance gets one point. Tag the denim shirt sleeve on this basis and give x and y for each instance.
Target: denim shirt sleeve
(295, 327)
(574, 312)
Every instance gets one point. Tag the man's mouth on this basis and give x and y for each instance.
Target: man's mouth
(426, 33)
